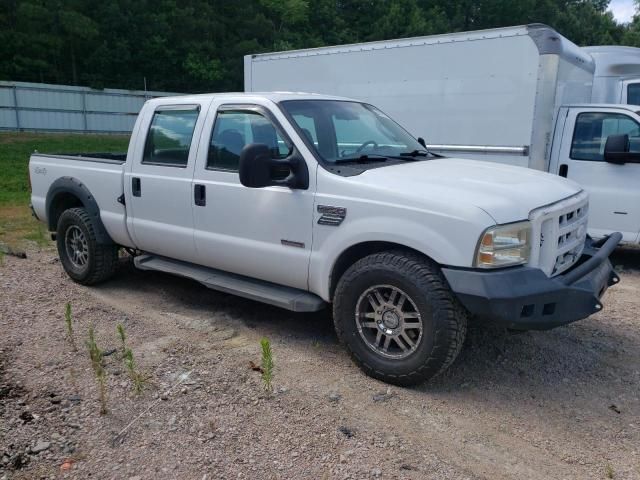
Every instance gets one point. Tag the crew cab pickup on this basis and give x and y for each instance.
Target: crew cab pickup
(303, 200)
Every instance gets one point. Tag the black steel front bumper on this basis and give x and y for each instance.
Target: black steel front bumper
(524, 298)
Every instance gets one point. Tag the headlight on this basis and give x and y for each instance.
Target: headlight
(504, 245)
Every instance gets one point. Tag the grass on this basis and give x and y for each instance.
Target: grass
(267, 365)
(123, 337)
(609, 471)
(17, 226)
(69, 323)
(95, 354)
(137, 377)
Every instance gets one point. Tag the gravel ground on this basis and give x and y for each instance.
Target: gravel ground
(538, 405)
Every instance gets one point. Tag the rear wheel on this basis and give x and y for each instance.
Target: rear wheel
(398, 318)
(82, 257)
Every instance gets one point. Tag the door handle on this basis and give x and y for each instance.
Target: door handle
(564, 170)
(200, 195)
(136, 188)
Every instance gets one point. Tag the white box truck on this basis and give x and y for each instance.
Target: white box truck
(617, 74)
(518, 95)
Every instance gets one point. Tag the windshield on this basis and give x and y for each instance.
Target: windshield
(342, 130)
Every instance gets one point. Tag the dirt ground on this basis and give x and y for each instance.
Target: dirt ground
(563, 404)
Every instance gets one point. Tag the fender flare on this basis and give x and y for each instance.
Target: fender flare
(73, 186)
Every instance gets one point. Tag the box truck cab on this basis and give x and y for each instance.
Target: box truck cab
(610, 175)
(617, 74)
(516, 95)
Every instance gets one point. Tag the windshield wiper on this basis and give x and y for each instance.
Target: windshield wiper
(415, 153)
(372, 157)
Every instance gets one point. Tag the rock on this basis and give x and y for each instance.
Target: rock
(334, 397)
(26, 416)
(376, 472)
(41, 446)
(383, 396)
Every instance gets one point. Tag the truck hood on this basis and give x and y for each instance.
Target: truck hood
(505, 192)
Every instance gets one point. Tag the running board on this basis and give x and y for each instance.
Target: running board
(259, 290)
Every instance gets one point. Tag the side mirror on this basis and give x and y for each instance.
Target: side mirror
(422, 142)
(257, 168)
(616, 150)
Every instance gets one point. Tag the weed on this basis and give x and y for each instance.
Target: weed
(98, 369)
(123, 337)
(38, 234)
(267, 365)
(609, 471)
(138, 378)
(69, 323)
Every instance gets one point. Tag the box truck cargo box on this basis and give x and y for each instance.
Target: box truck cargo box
(518, 95)
(617, 74)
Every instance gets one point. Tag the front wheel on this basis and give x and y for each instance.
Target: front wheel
(82, 257)
(398, 318)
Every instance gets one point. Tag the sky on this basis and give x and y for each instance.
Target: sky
(623, 10)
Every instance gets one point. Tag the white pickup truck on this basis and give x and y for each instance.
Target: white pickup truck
(234, 191)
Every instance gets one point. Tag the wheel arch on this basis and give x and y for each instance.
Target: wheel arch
(355, 252)
(69, 192)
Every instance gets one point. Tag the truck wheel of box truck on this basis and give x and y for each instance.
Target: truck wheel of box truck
(84, 259)
(398, 317)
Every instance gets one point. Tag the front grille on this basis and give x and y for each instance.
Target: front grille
(562, 230)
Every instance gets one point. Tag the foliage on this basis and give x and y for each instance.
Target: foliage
(267, 365)
(198, 45)
(123, 337)
(95, 354)
(69, 323)
(138, 378)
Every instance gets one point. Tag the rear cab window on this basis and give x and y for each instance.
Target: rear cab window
(633, 93)
(170, 136)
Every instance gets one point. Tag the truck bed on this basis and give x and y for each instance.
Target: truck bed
(101, 173)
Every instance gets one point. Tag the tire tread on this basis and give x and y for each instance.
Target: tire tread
(449, 334)
(105, 258)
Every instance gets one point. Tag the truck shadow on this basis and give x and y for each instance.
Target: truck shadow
(626, 258)
(592, 355)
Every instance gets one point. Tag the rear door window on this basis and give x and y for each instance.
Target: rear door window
(169, 138)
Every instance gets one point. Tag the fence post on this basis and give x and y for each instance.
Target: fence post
(15, 105)
(84, 109)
